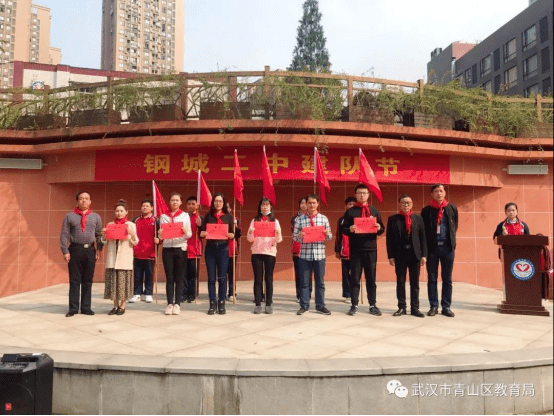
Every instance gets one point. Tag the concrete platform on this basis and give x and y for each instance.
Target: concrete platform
(227, 359)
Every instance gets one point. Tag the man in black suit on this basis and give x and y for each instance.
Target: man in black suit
(441, 223)
(407, 249)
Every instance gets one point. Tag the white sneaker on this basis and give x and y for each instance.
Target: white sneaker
(347, 300)
(134, 299)
(176, 310)
(148, 299)
(169, 310)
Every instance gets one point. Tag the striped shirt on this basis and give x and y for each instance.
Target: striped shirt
(73, 233)
(311, 251)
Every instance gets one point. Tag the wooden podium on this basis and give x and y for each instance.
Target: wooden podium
(521, 275)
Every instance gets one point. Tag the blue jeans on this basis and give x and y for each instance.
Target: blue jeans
(217, 262)
(306, 267)
(143, 275)
(444, 255)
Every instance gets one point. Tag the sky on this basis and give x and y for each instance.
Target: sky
(380, 38)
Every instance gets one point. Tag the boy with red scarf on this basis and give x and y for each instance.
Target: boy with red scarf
(145, 252)
(406, 249)
(441, 223)
(363, 249)
(342, 252)
(194, 251)
(80, 230)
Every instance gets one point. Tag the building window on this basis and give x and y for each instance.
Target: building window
(487, 86)
(486, 64)
(532, 90)
(510, 77)
(509, 50)
(467, 77)
(121, 65)
(546, 86)
(545, 60)
(530, 67)
(543, 29)
(529, 38)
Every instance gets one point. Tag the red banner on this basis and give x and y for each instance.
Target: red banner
(286, 163)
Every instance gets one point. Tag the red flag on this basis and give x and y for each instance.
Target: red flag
(268, 190)
(367, 177)
(319, 177)
(160, 207)
(203, 194)
(238, 184)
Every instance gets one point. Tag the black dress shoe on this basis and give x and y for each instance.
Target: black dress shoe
(69, 314)
(448, 312)
(113, 311)
(400, 311)
(417, 312)
(120, 311)
(88, 312)
(353, 310)
(432, 312)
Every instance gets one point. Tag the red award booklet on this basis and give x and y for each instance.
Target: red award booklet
(116, 231)
(172, 230)
(367, 225)
(217, 231)
(264, 229)
(313, 234)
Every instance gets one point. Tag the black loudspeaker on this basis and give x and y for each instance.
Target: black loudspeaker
(26, 382)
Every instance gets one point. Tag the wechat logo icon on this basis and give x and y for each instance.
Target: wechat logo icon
(396, 387)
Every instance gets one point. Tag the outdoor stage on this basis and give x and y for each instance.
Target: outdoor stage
(146, 362)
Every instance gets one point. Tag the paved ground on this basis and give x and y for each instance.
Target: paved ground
(36, 320)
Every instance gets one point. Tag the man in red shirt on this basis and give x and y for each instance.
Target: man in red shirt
(145, 252)
(194, 251)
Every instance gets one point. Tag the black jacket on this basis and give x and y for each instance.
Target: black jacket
(361, 242)
(226, 218)
(429, 215)
(338, 236)
(396, 233)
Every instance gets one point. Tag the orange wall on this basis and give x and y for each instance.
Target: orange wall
(33, 206)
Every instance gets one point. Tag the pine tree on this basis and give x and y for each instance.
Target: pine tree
(310, 53)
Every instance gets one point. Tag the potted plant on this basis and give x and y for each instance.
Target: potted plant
(372, 108)
(90, 109)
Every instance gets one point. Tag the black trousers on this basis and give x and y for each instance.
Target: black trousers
(231, 275)
(346, 271)
(263, 266)
(407, 261)
(365, 261)
(189, 283)
(81, 271)
(175, 272)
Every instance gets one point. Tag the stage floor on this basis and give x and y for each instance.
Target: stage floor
(36, 321)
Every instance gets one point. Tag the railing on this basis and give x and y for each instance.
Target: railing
(269, 95)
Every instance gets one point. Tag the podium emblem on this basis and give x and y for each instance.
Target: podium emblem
(522, 269)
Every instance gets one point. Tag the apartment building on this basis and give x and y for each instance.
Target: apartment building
(143, 36)
(515, 59)
(24, 36)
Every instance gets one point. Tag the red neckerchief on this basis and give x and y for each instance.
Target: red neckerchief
(514, 228)
(84, 216)
(121, 220)
(440, 207)
(264, 217)
(172, 215)
(408, 217)
(311, 218)
(365, 209)
(218, 217)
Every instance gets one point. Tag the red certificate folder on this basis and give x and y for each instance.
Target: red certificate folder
(264, 229)
(172, 230)
(217, 231)
(367, 225)
(313, 234)
(116, 231)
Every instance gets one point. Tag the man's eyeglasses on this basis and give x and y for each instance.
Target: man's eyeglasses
(406, 203)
